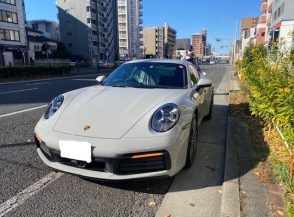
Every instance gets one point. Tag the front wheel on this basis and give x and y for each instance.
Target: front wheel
(208, 117)
(192, 143)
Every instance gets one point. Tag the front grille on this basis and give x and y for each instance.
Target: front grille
(121, 165)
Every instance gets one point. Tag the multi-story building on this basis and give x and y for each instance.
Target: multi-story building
(49, 28)
(282, 22)
(89, 28)
(159, 42)
(129, 20)
(261, 27)
(199, 43)
(246, 24)
(13, 39)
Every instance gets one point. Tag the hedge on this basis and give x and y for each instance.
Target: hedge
(33, 71)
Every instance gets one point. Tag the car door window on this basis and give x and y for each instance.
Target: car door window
(193, 74)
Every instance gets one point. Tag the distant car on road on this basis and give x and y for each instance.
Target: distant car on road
(106, 64)
(211, 62)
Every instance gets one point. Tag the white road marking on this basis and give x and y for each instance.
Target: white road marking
(25, 110)
(39, 83)
(19, 90)
(21, 197)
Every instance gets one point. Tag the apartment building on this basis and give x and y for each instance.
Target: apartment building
(49, 28)
(246, 24)
(13, 39)
(282, 22)
(199, 42)
(89, 29)
(159, 42)
(129, 27)
(262, 27)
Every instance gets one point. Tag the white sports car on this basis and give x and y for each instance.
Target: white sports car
(140, 122)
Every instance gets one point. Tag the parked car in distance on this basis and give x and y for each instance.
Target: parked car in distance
(106, 64)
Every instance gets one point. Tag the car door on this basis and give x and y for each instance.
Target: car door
(197, 96)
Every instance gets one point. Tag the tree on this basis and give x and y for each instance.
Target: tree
(61, 47)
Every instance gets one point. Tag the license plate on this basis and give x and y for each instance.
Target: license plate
(75, 150)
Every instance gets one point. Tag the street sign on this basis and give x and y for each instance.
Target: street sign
(23, 50)
(107, 53)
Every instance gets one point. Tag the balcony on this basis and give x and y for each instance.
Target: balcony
(122, 11)
(103, 39)
(92, 38)
(95, 48)
(92, 26)
(263, 7)
(122, 36)
(140, 21)
(140, 13)
(262, 18)
(91, 4)
(122, 28)
(141, 35)
(121, 3)
(141, 28)
(122, 20)
(140, 6)
(91, 15)
(122, 44)
(270, 8)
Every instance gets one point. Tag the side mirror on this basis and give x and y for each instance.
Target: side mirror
(100, 79)
(203, 82)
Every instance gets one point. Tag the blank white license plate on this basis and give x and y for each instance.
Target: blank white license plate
(75, 150)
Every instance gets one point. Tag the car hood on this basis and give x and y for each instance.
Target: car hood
(109, 112)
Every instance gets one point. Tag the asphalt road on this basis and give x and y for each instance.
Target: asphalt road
(30, 188)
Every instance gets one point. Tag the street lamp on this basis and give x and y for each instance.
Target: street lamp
(235, 41)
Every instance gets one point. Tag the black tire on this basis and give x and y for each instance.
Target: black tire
(192, 143)
(208, 117)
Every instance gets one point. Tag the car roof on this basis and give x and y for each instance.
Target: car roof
(175, 61)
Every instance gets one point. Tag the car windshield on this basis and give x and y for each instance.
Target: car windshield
(148, 75)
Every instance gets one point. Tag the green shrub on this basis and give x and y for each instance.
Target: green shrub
(33, 71)
(269, 81)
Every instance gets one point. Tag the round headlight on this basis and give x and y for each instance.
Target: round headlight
(165, 118)
(53, 106)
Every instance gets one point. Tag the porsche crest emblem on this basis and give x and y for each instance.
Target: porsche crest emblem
(87, 127)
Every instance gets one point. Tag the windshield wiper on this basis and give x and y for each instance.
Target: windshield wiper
(119, 85)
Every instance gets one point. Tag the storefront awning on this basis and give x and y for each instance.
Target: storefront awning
(278, 25)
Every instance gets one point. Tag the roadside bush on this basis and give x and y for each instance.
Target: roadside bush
(33, 71)
(269, 82)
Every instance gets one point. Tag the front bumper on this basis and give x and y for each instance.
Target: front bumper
(111, 163)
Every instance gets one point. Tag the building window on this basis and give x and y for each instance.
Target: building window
(8, 16)
(69, 34)
(68, 23)
(263, 34)
(35, 26)
(69, 44)
(11, 2)
(9, 35)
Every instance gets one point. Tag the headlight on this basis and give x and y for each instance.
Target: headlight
(165, 118)
(53, 106)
